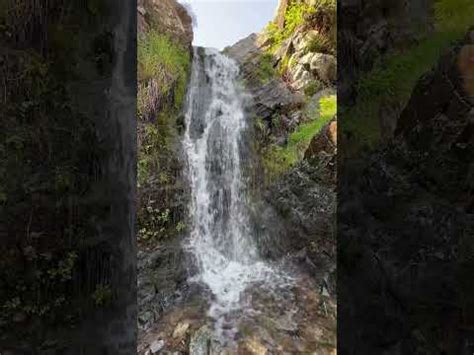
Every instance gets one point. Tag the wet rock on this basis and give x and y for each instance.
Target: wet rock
(270, 98)
(181, 329)
(19, 317)
(161, 279)
(252, 347)
(156, 346)
(200, 341)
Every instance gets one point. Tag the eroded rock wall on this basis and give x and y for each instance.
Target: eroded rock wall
(163, 190)
(405, 225)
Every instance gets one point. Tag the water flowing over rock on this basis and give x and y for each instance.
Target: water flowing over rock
(221, 239)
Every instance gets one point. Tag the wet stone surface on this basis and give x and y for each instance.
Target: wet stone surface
(300, 319)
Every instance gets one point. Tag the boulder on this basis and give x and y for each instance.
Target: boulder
(324, 66)
(302, 80)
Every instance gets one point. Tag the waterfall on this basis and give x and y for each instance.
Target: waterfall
(221, 238)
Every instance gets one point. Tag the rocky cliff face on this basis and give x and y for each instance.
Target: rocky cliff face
(414, 199)
(369, 30)
(288, 68)
(68, 173)
(167, 17)
(296, 52)
(163, 25)
(290, 60)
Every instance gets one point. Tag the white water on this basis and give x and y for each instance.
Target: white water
(221, 237)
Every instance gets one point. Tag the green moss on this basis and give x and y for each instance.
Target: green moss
(278, 160)
(157, 53)
(102, 295)
(306, 131)
(283, 65)
(390, 84)
(392, 80)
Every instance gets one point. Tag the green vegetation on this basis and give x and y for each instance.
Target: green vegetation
(322, 13)
(167, 63)
(265, 71)
(163, 71)
(102, 295)
(392, 79)
(278, 160)
(312, 88)
(294, 17)
(456, 15)
(320, 44)
(51, 165)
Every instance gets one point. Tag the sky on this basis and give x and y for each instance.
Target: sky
(221, 23)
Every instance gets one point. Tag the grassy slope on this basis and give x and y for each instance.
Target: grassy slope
(166, 63)
(278, 160)
(391, 83)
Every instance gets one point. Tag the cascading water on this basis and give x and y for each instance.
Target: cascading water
(221, 237)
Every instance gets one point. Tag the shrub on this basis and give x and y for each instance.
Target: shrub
(265, 71)
(319, 44)
(294, 17)
(312, 88)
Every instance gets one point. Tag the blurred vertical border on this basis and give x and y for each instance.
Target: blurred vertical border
(405, 177)
(67, 177)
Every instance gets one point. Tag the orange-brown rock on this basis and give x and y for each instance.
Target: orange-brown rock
(466, 68)
(325, 141)
(165, 16)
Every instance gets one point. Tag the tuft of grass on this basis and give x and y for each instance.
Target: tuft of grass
(265, 70)
(160, 59)
(156, 53)
(320, 44)
(305, 132)
(278, 160)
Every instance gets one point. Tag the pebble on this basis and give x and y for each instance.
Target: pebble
(156, 346)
